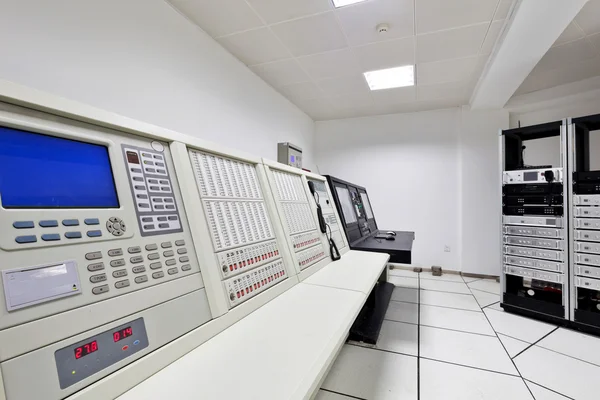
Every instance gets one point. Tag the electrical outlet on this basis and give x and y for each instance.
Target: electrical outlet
(447, 249)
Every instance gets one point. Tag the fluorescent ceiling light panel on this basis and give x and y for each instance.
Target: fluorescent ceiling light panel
(342, 3)
(391, 77)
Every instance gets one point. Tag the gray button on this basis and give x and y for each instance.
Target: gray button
(156, 265)
(149, 226)
(157, 157)
(114, 219)
(163, 226)
(179, 242)
(161, 171)
(150, 170)
(159, 164)
(168, 253)
(94, 233)
(162, 218)
(155, 188)
(140, 187)
(172, 217)
(170, 207)
(184, 259)
(151, 247)
(122, 284)
(147, 155)
(73, 235)
(115, 252)
(159, 207)
(98, 278)
(23, 224)
(117, 263)
(166, 245)
(91, 221)
(157, 199)
(138, 179)
(134, 249)
(139, 269)
(95, 267)
(172, 271)
(168, 200)
(93, 256)
(120, 273)
(186, 267)
(148, 162)
(48, 237)
(143, 205)
(165, 188)
(70, 222)
(146, 219)
(181, 251)
(141, 279)
(142, 196)
(49, 223)
(117, 226)
(158, 274)
(170, 262)
(100, 289)
(153, 256)
(153, 181)
(136, 170)
(136, 259)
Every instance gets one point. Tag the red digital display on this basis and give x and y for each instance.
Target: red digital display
(86, 349)
(122, 334)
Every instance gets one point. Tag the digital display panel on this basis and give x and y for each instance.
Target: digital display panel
(367, 204)
(86, 349)
(346, 202)
(42, 171)
(122, 334)
(530, 176)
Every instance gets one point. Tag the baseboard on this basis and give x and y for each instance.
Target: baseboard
(410, 267)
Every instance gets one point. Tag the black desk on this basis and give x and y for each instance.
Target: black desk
(400, 250)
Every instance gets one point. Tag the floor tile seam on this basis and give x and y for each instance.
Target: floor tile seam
(470, 366)
(547, 388)
(536, 342)
(343, 394)
(484, 291)
(456, 330)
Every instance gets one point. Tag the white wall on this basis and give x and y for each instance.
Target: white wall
(143, 60)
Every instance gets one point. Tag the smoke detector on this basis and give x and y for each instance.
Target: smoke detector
(382, 29)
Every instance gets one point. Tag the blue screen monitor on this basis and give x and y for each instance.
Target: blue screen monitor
(41, 171)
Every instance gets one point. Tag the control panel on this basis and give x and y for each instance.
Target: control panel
(532, 176)
(245, 247)
(329, 212)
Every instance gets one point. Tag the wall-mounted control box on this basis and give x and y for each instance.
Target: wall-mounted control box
(289, 154)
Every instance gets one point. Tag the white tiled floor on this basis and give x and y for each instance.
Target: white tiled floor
(440, 343)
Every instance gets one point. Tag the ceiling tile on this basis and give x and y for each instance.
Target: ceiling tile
(302, 90)
(503, 9)
(310, 35)
(458, 69)
(387, 54)
(360, 20)
(352, 101)
(331, 64)
(257, 46)
(344, 85)
(318, 109)
(394, 96)
(558, 56)
(589, 17)
(280, 73)
(491, 37)
(219, 17)
(572, 32)
(273, 11)
(436, 15)
(448, 90)
(454, 43)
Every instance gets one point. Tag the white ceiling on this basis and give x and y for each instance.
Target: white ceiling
(315, 55)
(574, 56)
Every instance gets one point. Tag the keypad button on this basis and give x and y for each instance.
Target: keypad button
(168, 253)
(153, 181)
(136, 259)
(159, 207)
(136, 170)
(186, 267)
(49, 237)
(153, 256)
(172, 217)
(180, 243)
(120, 273)
(161, 171)
(140, 187)
(144, 197)
(170, 262)
(184, 259)
(158, 157)
(73, 235)
(156, 265)
(98, 278)
(143, 205)
(165, 188)
(155, 188)
(95, 267)
(170, 207)
(157, 199)
(151, 247)
(93, 256)
(138, 179)
(138, 269)
(166, 245)
(134, 249)
(172, 271)
(122, 284)
(115, 252)
(100, 289)
(150, 226)
(168, 200)
(146, 219)
(23, 224)
(161, 219)
(94, 233)
(163, 226)
(182, 251)
(158, 275)
(141, 279)
(147, 155)
(49, 223)
(91, 221)
(70, 222)
(151, 170)
(117, 263)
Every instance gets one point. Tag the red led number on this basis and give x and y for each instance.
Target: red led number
(86, 349)
(78, 352)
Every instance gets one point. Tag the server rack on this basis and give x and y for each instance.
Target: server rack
(535, 215)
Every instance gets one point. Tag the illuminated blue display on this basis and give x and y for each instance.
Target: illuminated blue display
(40, 171)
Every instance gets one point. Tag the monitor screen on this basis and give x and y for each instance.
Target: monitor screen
(41, 171)
(346, 203)
(367, 204)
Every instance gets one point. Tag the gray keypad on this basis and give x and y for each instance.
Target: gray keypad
(184, 259)
(98, 278)
(115, 252)
(122, 284)
(151, 247)
(136, 259)
(170, 262)
(166, 245)
(180, 243)
(93, 256)
(117, 263)
(172, 271)
(100, 289)
(141, 279)
(153, 256)
(182, 251)
(134, 249)
(95, 267)
(156, 265)
(158, 274)
(168, 253)
(139, 269)
(120, 273)
(186, 267)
